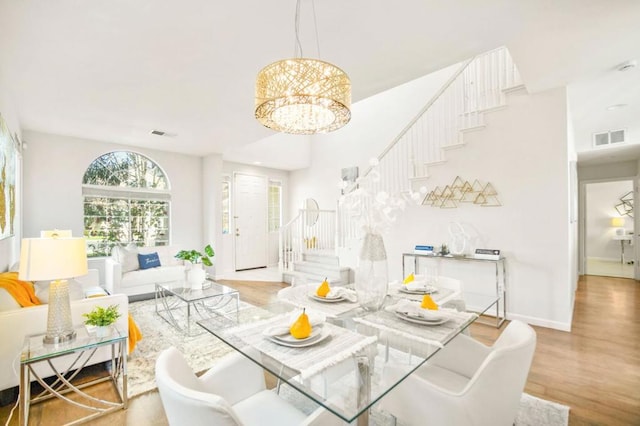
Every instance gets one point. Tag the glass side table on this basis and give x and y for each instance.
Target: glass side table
(37, 356)
(177, 303)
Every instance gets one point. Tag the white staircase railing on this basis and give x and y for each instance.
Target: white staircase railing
(309, 231)
(477, 86)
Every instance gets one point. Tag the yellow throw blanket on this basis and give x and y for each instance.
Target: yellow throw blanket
(22, 291)
(134, 334)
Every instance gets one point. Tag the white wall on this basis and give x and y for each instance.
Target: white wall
(375, 122)
(225, 261)
(10, 247)
(523, 152)
(53, 169)
(601, 201)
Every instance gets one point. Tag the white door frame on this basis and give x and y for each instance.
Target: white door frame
(582, 223)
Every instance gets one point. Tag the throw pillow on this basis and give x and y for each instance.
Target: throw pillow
(151, 260)
(127, 257)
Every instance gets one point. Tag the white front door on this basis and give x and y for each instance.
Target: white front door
(250, 214)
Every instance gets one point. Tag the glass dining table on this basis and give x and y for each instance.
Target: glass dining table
(340, 366)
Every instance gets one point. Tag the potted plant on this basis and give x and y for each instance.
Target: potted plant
(196, 275)
(102, 319)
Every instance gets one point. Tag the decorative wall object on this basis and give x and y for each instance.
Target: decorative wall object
(626, 205)
(461, 191)
(8, 160)
(349, 177)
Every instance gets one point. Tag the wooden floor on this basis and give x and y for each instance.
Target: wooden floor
(595, 369)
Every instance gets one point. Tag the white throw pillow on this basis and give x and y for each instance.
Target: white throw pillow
(127, 257)
(76, 292)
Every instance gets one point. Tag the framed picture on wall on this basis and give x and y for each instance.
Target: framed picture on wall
(8, 166)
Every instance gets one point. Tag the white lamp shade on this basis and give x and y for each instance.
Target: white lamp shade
(52, 258)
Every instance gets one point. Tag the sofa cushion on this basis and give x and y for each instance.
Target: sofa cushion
(165, 253)
(154, 275)
(7, 302)
(148, 261)
(127, 257)
(76, 291)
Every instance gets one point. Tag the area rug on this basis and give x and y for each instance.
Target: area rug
(202, 351)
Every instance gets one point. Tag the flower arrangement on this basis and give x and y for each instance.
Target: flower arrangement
(375, 212)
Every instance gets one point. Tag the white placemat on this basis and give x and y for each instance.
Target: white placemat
(309, 360)
(299, 296)
(430, 334)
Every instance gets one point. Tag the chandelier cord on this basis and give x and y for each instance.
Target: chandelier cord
(298, 44)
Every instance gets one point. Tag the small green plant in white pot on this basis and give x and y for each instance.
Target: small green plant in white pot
(102, 319)
(196, 274)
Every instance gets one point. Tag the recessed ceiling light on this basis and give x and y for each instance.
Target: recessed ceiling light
(257, 163)
(616, 106)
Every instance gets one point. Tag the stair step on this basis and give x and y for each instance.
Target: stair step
(288, 277)
(473, 129)
(453, 146)
(322, 258)
(515, 88)
(319, 268)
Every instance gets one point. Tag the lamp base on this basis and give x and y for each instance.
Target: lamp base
(59, 338)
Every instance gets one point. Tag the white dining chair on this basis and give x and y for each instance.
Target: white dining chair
(232, 392)
(465, 383)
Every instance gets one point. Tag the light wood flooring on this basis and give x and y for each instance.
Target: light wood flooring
(595, 369)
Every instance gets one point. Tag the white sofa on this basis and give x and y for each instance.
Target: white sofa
(18, 322)
(123, 274)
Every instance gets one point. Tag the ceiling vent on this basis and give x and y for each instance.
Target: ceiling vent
(611, 137)
(161, 133)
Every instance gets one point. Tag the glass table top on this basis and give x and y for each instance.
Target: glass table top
(35, 349)
(209, 289)
(340, 365)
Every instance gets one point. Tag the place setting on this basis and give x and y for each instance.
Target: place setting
(306, 330)
(327, 294)
(425, 313)
(416, 284)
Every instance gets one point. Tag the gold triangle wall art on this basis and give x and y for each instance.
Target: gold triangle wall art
(461, 191)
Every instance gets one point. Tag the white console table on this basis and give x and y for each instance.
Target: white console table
(622, 239)
(500, 270)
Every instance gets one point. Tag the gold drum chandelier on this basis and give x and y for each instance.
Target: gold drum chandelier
(302, 95)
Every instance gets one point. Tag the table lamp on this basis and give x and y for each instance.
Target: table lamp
(54, 259)
(618, 223)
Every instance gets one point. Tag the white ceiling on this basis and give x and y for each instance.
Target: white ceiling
(114, 70)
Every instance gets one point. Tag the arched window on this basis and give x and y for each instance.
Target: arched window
(126, 199)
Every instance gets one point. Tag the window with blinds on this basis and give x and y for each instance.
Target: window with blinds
(275, 206)
(126, 199)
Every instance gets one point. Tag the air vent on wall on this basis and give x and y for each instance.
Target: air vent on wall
(609, 138)
(161, 133)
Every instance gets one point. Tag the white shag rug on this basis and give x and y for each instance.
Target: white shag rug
(204, 349)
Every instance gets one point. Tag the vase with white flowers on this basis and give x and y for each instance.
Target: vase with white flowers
(375, 212)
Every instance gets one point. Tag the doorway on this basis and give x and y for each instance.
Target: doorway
(250, 220)
(609, 229)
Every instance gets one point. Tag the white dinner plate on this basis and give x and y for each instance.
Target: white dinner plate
(288, 338)
(326, 299)
(425, 290)
(421, 320)
(302, 343)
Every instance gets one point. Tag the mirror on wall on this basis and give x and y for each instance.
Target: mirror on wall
(312, 211)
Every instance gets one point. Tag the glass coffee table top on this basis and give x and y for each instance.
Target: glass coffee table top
(182, 290)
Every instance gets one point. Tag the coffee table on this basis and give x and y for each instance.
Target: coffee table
(177, 303)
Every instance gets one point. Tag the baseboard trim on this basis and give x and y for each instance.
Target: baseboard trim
(540, 322)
